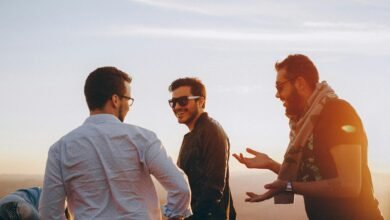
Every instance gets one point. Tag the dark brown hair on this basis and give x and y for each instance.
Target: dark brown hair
(299, 65)
(102, 83)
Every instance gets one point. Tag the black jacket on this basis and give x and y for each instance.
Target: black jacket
(204, 157)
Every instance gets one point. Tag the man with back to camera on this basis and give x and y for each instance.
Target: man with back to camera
(103, 168)
(326, 160)
(204, 154)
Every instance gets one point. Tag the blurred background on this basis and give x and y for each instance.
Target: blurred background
(48, 48)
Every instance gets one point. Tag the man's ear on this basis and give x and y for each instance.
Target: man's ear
(202, 102)
(115, 101)
(300, 83)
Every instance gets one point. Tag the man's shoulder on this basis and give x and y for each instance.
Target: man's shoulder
(212, 127)
(136, 129)
(71, 135)
(137, 133)
(140, 135)
(111, 128)
(338, 108)
(337, 103)
(211, 122)
(339, 112)
(55, 148)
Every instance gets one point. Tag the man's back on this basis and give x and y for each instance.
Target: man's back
(104, 166)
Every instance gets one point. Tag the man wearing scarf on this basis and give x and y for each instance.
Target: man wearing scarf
(326, 159)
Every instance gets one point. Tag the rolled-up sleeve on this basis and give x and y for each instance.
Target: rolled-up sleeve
(171, 178)
(52, 201)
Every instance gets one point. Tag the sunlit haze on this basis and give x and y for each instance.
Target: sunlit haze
(48, 48)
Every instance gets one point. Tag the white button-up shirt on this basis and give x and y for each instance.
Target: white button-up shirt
(103, 170)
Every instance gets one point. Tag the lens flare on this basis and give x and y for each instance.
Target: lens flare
(348, 128)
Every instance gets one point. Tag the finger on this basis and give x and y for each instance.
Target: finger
(251, 194)
(251, 151)
(270, 185)
(257, 198)
(237, 157)
(242, 158)
(248, 200)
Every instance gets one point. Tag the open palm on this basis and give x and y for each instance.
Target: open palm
(260, 161)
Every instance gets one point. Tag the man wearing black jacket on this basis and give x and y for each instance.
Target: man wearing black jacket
(204, 153)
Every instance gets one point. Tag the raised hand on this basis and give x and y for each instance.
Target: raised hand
(260, 161)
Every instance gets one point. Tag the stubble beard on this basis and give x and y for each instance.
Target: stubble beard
(295, 105)
(191, 117)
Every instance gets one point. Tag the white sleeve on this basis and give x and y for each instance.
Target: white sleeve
(171, 178)
(52, 201)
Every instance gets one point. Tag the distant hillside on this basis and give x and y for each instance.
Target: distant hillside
(10, 183)
(240, 183)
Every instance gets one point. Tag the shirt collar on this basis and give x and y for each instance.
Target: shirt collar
(101, 118)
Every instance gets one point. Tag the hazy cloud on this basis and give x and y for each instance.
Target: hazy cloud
(344, 25)
(175, 5)
(250, 35)
(224, 8)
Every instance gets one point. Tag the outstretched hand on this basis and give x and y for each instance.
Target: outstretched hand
(260, 161)
(273, 189)
(253, 197)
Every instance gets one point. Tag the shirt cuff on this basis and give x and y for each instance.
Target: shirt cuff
(172, 214)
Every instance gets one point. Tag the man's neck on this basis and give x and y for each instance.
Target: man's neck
(305, 98)
(192, 124)
(101, 111)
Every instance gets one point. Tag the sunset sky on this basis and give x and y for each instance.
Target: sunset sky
(48, 48)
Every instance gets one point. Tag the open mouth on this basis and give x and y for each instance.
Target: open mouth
(283, 102)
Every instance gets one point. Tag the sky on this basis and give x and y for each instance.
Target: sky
(48, 48)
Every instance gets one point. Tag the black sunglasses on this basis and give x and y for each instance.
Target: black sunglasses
(182, 101)
(280, 85)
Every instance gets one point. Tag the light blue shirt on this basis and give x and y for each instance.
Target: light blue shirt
(103, 170)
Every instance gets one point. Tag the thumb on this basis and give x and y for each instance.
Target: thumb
(251, 151)
(269, 186)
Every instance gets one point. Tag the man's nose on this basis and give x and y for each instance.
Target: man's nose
(277, 95)
(176, 106)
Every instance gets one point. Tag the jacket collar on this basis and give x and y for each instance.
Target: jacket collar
(203, 117)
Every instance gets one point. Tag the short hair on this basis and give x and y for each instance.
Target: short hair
(197, 87)
(102, 83)
(299, 65)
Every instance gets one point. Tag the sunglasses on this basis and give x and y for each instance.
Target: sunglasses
(280, 85)
(182, 101)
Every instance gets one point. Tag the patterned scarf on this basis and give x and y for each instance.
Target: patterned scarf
(300, 132)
